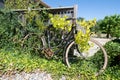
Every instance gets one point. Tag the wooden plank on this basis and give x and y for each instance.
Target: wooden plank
(40, 9)
(69, 11)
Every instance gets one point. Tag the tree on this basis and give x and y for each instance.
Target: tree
(80, 18)
(110, 25)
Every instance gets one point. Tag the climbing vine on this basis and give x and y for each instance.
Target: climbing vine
(81, 38)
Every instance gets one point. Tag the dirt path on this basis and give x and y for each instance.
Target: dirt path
(103, 41)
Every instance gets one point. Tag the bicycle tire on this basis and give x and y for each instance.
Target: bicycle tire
(33, 42)
(69, 56)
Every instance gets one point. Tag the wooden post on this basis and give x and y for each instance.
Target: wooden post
(75, 11)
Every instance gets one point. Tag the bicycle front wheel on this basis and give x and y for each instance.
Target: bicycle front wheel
(94, 60)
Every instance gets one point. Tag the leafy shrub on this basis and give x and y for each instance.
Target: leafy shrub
(12, 32)
(113, 49)
(8, 28)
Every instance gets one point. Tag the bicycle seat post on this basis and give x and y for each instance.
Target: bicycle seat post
(74, 22)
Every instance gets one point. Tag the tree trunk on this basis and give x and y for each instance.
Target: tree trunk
(107, 36)
(108, 32)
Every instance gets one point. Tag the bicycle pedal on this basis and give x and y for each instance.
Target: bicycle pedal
(48, 52)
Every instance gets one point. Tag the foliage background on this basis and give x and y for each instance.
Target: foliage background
(109, 25)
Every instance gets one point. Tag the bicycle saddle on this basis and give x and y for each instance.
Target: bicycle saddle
(72, 18)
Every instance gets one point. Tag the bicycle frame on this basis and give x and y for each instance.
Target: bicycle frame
(66, 37)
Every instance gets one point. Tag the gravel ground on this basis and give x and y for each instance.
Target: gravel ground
(27, 76)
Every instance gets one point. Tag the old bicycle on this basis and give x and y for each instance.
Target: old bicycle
(52, 45)
(60, 42)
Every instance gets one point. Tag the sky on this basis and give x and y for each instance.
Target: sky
(90, 9)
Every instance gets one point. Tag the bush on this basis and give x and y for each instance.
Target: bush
(113, 50)
(12, 32)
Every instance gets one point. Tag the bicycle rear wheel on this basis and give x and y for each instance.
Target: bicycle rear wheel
(95, 59)
(33, 43)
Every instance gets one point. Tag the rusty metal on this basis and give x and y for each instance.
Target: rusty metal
(48, 52)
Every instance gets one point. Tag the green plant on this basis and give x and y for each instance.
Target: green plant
(110, 25)
(60, 22)
(113, 49)
(14, 59)
(82, 37)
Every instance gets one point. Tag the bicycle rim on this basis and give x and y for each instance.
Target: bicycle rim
(97, 61)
